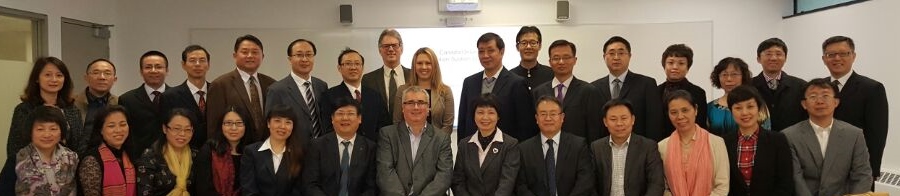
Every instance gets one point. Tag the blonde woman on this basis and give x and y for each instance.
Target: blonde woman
(428, 76)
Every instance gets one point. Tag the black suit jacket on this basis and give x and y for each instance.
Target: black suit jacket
(697, 93)
(772, 166)
(516, 105)
(144, 119)
(495, 176)
(375, 81)
(374, 113)
(181, 97)
(535, 76)
(580, 106)
(574, 168)
(322, 168)
(784, 101)
(644, 174)
(864, 104)
(641, 91)
(286, 92)
(228, 90)
(258, 175)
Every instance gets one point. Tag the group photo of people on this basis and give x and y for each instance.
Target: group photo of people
(400, 130)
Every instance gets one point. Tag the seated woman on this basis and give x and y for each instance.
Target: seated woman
(695, 161)
(473, 173)
(272, 167)
(165, 167)
(106, 168)
(760, 159)
(45, 167)
(428, 76)
(728, 74)
(217, 167)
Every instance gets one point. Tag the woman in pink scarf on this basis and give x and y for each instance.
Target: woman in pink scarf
(695, 161)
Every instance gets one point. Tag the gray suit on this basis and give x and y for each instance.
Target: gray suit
(399, 174)
(844, 169)
(644, 174)
(286, 92)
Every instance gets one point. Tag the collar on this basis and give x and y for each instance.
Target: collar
(627, 141)
(565, 83)
(353, 88)
(91, 98)
(246, 76)
(621, 77)
(752, 136)
(496, 75)
(299, 80)
(770, 78)
(194, 89)
(340, 139)
(817, 127)
(555, 138)
(150, 90)
(411, 132)
(843, 79)
(398, 70)
(268, 146)
(498, 137)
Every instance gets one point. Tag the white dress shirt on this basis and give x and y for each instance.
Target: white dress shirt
(565, 83)
(482, 152)
(150, 90)
(822, 134)
(544, 145)
(399, 79)
(612, 85)
(195, 89)
(276, 156)
(843, 80)
(299, 81)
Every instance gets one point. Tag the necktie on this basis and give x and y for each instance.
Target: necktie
(551, 168)
(559, 92)
(489, 80)
(156, 96)
(617, 86)
(345, 168)
(255, 104)
(202, 102)
(838, 84)
(392, 86)
(358, 96)
(313, 114)
(773, 84)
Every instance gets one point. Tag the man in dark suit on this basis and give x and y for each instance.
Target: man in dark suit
(555, 162)
(191, 95)
(577, 96)
(374, 114)
(676, 62)
(626, 163)
(863, 100)
(413, 157)
(340, 163)
(242, 87)
(638, 89)
(142, 104)
(516, 106)
(528, 42)
(830, 156)
(781, 91)
(301, 91)
(386, 79)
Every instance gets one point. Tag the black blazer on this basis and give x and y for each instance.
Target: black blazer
(495, 176)
(181, 97)
(641, 91)
(580, 105)
(784, 101)
(144, 119)
(374, 113)
(258, 175)
(516, 105)
(286, 92)
(772, 166)
(375, 81)
(322, 168)
(864, 104)
(644, 174)
(697, 93)
(574, 168)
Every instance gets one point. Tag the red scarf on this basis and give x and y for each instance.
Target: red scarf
(223, 174)
(114, 182)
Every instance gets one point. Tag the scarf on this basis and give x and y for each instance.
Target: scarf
(695, 178)
(180, 165)
(114, 182)
(223, 173)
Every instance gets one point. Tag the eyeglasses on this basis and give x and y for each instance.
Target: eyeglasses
(198, 61)
(819, 97)
(390, 46)
(529, 43)
(307, 55)
(561, 59)
(153, 67)
(549, 114)
(416, 103)
(729, 75)
(352, 64)
(617, 54)
(233, 124)
(180, 130)
(101, 74)
(838, 54)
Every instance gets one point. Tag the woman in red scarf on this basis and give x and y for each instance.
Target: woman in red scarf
(218, 164)
(106, 169)
(695, 161)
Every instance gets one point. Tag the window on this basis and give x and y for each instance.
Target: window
(809, 6)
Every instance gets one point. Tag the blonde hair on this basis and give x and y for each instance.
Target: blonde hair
(436, 82)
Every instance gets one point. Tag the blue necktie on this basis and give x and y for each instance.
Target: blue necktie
(551, 168)
(345, 168)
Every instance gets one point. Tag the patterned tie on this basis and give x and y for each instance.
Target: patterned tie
(773, 84)
(617, 86)
(313, 114)
(255, 104)
(345, 169)
(838, 84)
(551, 168)
(358, 96)
(392, 86)
(156, 96)
(559, 92)
(202, 102)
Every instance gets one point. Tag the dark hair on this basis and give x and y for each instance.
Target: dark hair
(678, 50)
(486, 101)
(618, 102)
(678, 94)
(248, 37)
(487, 37)
(96, 137)
(562, 43)
(547, 98)
(392, 33)
(45, 114)
(219, 144)
(822, 83)
(347, 101)
(192, 48)
(526, 30)
(838, 39)
(769, 43)
(615, 39)
(293, 146)
(153, 53)
(348, 51)
(744, 93)
(301, 40)
(32, 94)
(168, 118)
(724, 64)
(87, 70)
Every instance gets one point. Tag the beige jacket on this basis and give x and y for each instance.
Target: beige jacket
(720, 164)
(81, 103)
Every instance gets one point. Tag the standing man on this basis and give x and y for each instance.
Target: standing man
(341, 162)
(142, 104)
(509, 89)
(627, 164)
(578, 98)
(374, 114)
(242, 87)
(386, 79)
(100, 77)
(781, 91)
(528, 42)
(191, 95)
(301, 91)
(676, 62)
(638, 89)
(413, 157)
(863, 100)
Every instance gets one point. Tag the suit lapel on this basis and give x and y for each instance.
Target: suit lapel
(812, 144)
(238, 84)
(850, 87)
(405, 145)
(629, 79)
(831, 153)
(267, 162)
(425, 141)
(491, 154)
(538, 159)
(472, 158)
(184, 92)
(571, 94)
(631, 155)
(604, 87)
(500, 84)
(379, 82)
(143, 97)
(295, 91)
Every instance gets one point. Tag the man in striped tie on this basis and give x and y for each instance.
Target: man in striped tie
(301, 91)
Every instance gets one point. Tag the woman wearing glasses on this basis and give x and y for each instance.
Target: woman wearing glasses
(165, 167)
(428, 76)
(217, 167)
(106, 168)
(728, 74)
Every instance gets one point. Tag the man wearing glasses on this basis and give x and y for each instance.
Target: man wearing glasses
(577, 97)
(301, 91)
(191, 95)
(528, 42)
(781, 91)
(100, 77)
(387, 78)
(374, 114)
